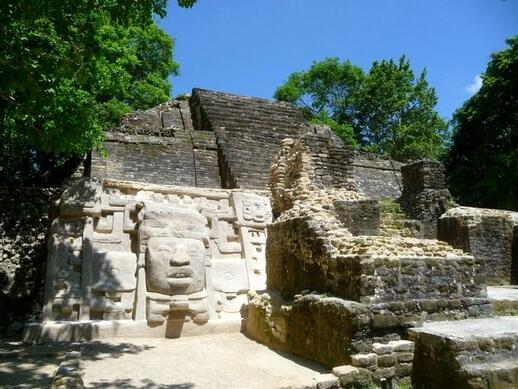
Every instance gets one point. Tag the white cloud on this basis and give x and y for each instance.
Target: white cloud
(475, 86)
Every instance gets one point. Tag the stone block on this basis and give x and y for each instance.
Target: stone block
(382, 348)
(384, 373)
(387, 360)
(328, 381)
(405, 357)
(364, 360)
(345, 371)
(447, 354)
(361, 217)
(402, 345)
(351, 377)
(403, 369)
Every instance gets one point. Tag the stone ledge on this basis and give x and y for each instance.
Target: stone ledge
(79, 331)
(478, 353)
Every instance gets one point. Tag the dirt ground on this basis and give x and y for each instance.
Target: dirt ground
(209, 361)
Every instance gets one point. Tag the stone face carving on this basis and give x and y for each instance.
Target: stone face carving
(175, 265)
(158, 254)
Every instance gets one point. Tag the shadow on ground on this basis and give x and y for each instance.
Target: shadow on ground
(137, 384)
(32, 366)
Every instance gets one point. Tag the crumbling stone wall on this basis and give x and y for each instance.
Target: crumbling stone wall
(24, 222)
(488, 235)
(159, 146)
(218, 139)
(425, 197)
(310, 247)
(335, 331)
(369, 288)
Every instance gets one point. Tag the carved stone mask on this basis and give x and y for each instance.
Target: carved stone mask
(175, 265)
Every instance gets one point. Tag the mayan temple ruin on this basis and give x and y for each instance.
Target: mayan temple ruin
(220, 216)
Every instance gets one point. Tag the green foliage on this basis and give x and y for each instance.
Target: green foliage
(344, 130)
(482, 164)
(68, 70)
(387, 110)
(326, 94)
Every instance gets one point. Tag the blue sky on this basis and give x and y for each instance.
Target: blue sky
(250, 47)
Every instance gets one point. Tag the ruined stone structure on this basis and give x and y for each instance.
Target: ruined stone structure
(488, 234)
(466, 354)
(326, 242)
(425, 197)
(224, 213)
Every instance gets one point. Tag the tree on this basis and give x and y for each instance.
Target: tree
(68, 70)
(326, 94)
(482, 164)
(388, 110)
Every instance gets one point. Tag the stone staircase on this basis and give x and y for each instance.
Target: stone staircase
(394, 222)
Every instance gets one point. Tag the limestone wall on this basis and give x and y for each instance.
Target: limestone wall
(248, 132)
(312, 245)
(24, 222)
(488, 235)
(159, 146)
(425, 197)
(218, 139)
(168, 256)
(377, 177)
(335, 331)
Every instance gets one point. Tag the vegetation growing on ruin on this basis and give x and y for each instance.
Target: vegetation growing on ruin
(68, 70)
(387, 110)
(482, 164)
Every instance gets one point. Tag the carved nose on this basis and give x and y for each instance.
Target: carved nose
(180, 258)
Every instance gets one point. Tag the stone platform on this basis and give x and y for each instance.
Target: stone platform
(504, 299)
(77, 331)
(477, 353)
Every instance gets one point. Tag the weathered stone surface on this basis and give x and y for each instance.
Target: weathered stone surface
(309, 247)
(377, 177)
(467, 354)
(364, 360)
(159, 146)
(248, 132)
(167, 255)
(69, 374)
(315, 327)
(360, 217)
(503, 299)
(488, 235)
(382, 284)
(25, 218)
(352, 377)
(328, 381)
(425, 197)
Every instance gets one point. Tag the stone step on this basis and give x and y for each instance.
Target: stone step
(475, 353)
(504, 299)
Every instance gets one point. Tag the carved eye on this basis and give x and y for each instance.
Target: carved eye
(164, 250)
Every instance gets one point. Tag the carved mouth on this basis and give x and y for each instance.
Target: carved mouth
(179, 276)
